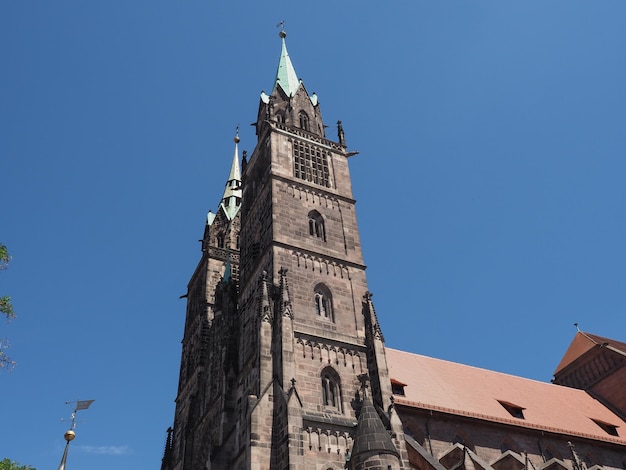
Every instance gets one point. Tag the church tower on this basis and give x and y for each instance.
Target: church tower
(283, 362)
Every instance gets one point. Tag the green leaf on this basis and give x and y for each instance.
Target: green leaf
(4, 258)
(6, 308)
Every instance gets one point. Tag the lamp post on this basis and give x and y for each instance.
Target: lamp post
(70, 434)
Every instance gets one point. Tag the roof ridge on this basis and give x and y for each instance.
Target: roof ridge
(509, 374)
(603, 339)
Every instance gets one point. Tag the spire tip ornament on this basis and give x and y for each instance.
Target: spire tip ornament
(70, 434)
(282, 33)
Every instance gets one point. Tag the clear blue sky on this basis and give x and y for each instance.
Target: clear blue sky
(490, 186)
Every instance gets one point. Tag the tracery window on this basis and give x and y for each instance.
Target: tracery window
(304, 121)
(316, 225)
(331, 389)
(310, 163)
(220, 240)
(323, 303)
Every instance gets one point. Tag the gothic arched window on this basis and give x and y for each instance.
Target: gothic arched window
(331, 389)
(304, 121)
(280, 117)
(316, 225)
(323, 303)
(220, 240)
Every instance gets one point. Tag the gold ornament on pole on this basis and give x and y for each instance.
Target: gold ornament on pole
(70, 434)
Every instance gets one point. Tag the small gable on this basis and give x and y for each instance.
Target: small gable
(554, 464)
(509, 461)
(460, 457)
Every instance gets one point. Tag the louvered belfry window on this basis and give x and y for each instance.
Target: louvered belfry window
(311, 163)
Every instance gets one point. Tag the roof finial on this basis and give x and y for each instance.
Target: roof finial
(364, 379)
(576, 325)
(340, 133)
(282, 33)
(237, 139)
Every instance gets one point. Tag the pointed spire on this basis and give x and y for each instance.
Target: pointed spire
(286, 75)
(371, 436)
(340, 134)
(371, 320)
(168, 449)
(64, 458)
(265, 310)
(233, 185)
(285, 300)
(231, 199)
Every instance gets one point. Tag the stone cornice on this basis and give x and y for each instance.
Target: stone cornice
(318, 256)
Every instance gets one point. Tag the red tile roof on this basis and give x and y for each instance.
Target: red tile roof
(582, 343)
(458, 389)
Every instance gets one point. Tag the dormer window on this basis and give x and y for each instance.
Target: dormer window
(397, 387)
(609, 428)
(514, 410)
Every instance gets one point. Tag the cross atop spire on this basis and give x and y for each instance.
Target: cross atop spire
(286, 75)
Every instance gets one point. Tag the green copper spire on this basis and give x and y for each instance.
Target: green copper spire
(286, 75)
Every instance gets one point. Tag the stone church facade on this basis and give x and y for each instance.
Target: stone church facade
(283, 360)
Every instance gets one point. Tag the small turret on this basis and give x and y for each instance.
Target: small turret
(373, 447)
(221, 228)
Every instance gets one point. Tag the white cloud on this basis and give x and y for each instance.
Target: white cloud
(104, 450)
